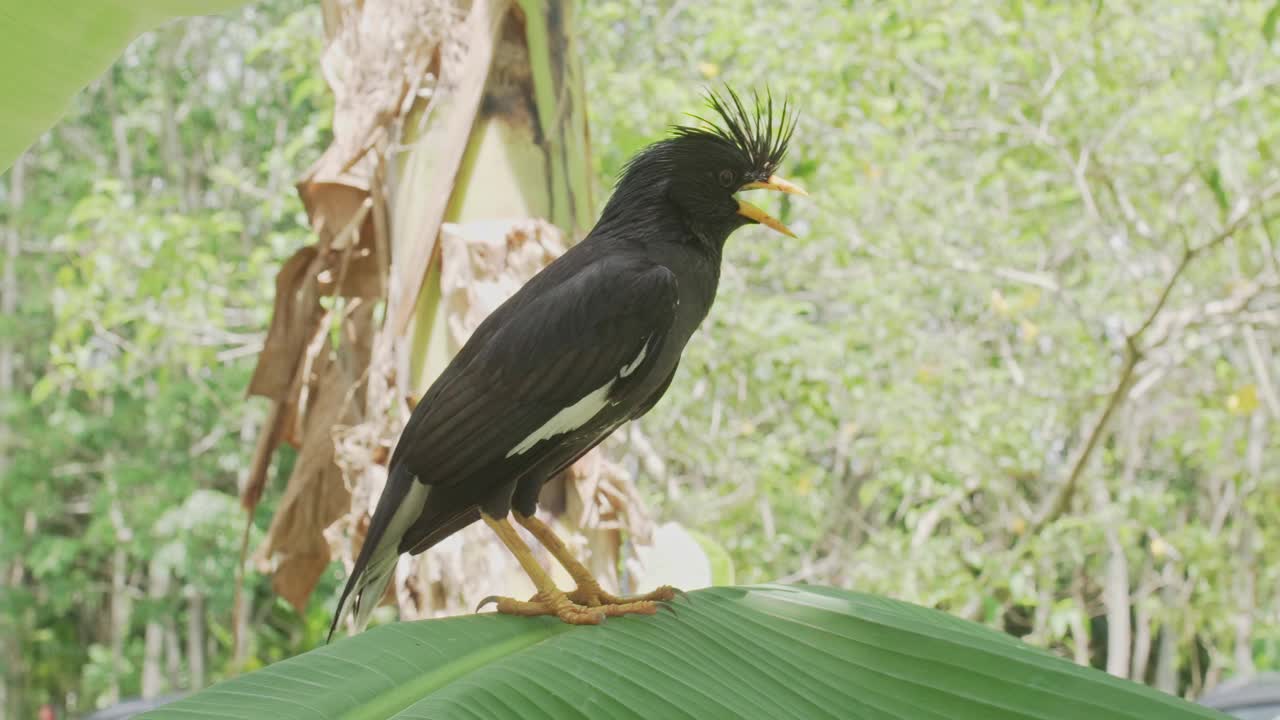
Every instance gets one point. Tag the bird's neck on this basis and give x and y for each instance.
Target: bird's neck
(645, 213)
(632, 202)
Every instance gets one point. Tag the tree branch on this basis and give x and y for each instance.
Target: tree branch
(1061, 500)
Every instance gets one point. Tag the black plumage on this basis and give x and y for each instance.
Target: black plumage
(589, 343)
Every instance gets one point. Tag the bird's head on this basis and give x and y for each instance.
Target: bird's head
(700, 168)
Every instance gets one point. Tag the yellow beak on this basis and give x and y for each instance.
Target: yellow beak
(776, 183)
(751, 212)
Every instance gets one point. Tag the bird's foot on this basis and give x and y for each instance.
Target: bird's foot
(556, 603)
(591, 595)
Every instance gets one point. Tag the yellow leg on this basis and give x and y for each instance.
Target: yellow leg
(549, 600)
(589, 592)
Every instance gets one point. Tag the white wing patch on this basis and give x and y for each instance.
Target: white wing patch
(579, 413)
(570, 418)
(628, 369)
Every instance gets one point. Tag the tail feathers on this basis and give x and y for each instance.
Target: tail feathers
(364, 594)
(401, 503)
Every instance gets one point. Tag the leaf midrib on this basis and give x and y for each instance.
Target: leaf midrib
(401, 696)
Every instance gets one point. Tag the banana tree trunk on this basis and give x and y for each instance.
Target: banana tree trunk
(459, 168)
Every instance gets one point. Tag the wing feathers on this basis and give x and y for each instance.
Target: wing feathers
(542, 354)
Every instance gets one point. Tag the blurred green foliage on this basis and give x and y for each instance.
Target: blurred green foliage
(1000, 193)
(152, 222)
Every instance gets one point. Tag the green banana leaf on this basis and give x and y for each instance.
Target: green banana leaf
(730, 652)
(51, 49)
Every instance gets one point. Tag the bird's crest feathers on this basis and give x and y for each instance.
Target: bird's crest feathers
(760, 136)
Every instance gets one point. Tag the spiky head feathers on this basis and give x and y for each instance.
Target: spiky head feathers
(739, 145)
(698, 167)
(759, 137)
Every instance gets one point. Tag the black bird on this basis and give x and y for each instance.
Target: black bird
(589, 343)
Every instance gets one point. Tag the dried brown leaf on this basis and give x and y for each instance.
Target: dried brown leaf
(483, 263)
(316, 494)
(293, 321)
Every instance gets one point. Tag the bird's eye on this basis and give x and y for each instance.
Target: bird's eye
(726, 178)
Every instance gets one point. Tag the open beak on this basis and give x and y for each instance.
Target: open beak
(776, 183)
(751, 212)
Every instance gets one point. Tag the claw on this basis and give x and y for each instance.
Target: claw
(486, 601)
(666, 605)
(680, 593)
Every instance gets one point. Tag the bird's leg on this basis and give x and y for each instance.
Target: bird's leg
(589, 592)
(549, 600)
